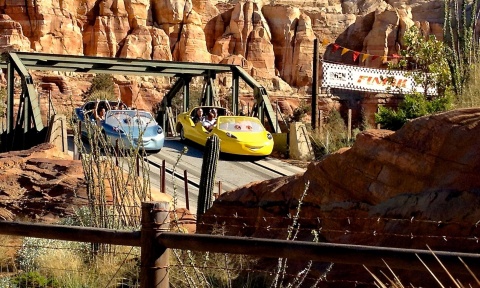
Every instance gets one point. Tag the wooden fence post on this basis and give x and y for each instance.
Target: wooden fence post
(154, 257)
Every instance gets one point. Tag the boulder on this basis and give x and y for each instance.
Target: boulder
(407, 189)
(387, 186)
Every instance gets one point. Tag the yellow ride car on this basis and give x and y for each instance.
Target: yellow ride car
(238, 135)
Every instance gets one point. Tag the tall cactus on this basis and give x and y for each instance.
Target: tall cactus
(207, 177)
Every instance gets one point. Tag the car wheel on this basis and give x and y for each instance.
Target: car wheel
(182, 134)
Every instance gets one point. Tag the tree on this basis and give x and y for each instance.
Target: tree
(423, 56)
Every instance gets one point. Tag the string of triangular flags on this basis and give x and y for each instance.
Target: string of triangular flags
(359, 55)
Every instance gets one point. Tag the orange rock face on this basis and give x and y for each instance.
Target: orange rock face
(274, 39)
(411, 188)
(412, 174)
(32, 178)
(277, 39)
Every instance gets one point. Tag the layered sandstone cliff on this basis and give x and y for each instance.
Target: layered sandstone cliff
(275, 38)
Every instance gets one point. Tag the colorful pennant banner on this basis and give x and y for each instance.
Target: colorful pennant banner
(356, 54)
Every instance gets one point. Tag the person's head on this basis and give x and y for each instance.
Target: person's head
(199, 112)
(214, 112)
(210, 115)
(101, 113)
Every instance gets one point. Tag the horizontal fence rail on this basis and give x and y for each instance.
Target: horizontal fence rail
(322, 252)
(155, 241)
(71, 233)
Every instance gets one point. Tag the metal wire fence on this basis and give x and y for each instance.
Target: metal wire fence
(35, 262)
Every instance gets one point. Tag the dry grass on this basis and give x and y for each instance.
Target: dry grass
(471, 95)
(8, 251)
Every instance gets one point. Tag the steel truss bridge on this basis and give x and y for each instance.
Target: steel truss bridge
(28, 123)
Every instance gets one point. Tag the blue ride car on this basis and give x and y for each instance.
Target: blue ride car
(131, 128)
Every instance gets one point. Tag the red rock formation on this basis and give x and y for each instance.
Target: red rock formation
(138, 44)
(12, 38)
(411, 188)
(45, 184)
(275, 39)
(40, 182)
(430, 164)
(160, 45)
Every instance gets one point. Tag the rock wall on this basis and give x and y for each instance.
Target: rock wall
(276, 38)
(414, 187)
(272, 40)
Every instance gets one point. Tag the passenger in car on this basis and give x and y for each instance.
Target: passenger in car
(214, 115)
(209, 122)
(198, 116)
(99, 113)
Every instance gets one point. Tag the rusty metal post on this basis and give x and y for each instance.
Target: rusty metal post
(314, 84)
(162, 174)
(219, 188)
(137, 160)
(349, 127)
(154, 256)
(75, 151)
(185, 181)
(116, 152)
(320, 120)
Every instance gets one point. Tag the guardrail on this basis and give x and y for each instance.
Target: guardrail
(155, 242)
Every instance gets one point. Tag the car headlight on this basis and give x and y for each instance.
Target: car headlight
(269, 136)
(231, 135)
(159, 130)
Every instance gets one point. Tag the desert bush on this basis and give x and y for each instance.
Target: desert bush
(55, 263)
(332, 137)
(413, 106)
(470, 96)
(103, 87)
(3, 99)
(300, 112)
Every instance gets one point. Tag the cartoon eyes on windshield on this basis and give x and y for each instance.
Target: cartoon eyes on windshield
(239, 127)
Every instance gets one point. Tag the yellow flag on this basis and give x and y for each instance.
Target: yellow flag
(345, 50)
(325, 42)
(364, 57)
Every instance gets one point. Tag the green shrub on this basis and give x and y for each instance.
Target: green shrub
(414, 105)
(33, 279)
(103, 87)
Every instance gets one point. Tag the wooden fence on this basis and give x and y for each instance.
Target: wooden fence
(155, 240)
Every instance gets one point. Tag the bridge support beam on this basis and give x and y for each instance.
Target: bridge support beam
(186, 93)
(10, 102)
(235, 85)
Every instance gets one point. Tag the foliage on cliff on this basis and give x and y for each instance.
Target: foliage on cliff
(423, 57)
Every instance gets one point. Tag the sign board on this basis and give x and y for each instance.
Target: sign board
(369, 79)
